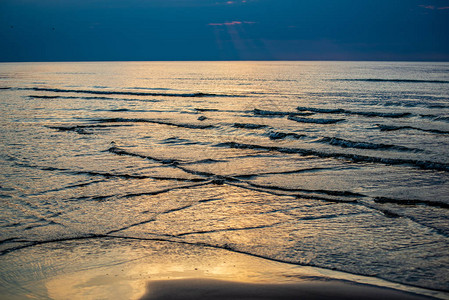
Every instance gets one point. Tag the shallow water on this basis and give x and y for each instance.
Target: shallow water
(341, 165)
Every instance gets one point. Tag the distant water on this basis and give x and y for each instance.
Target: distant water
(342, 165)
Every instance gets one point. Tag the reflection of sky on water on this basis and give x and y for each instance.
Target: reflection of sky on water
(124, 153)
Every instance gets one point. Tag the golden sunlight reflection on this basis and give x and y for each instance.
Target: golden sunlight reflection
(219, 171)
(122, 269)
(128, 279)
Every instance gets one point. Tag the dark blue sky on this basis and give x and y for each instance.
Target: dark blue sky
(97, 30)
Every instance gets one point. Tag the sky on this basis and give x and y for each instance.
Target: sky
(160, 30)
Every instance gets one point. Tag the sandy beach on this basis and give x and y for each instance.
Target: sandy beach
(190, 289)
(133, 269)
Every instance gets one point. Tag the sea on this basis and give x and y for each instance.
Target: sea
(337, 165)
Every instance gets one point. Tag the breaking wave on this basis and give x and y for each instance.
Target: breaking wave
(426, 165)
(125, 120)
(88, 98)
(249, 126)
(81, 129)
(271, 113)
(360, 113)
(97, 92)
(412, 202)
(394, 80)
(334, 141)
(394, 128)
(315, 121)
(436, 118)
(276, 135)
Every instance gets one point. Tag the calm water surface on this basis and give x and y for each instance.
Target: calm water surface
(340, 165)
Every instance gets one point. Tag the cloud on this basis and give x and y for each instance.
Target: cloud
(231, 2)
(427, 6)
(233, 23)
(433, 7)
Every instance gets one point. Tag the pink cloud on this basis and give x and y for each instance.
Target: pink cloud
(433, 7)
(231, 2)
(233, 23)
(427, 6)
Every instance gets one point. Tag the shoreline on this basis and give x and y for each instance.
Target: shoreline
(131, 269)
(199, 289)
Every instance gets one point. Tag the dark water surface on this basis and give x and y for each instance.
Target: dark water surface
(340, 165)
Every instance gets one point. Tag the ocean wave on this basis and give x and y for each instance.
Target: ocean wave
(442, 118)
(217, 179)
(123, 110)
(76, 129)
(47, 97)
(231, 79)
(321, 110)
(199, 94)
(360, 113)
(299, 193)
(297, 171)
(276, 135)
(436, 118)
(107, 175)
(394, 80)
(119, 151)
(125, 120)
(315, 121)
(150, 89)
(426, 165)
(206, 109)
(320, 191)
(412, 202)
(180, 141)
(81, 129)
(271, 113)
(334, 141)
(380, 114)
(418, 104)
(394, 128)
(71, 97)
(249, 126)
(261, 112)
(89, 98)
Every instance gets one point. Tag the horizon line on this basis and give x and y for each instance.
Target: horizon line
(246, 60)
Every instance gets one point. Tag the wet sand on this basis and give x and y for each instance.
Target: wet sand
(134, 269)
(198, 289)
